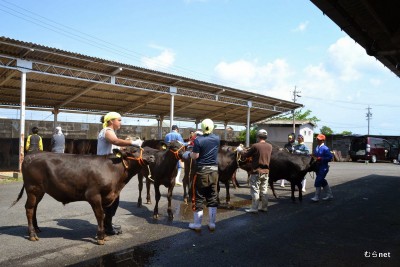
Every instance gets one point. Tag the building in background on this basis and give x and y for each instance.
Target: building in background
(278, 130)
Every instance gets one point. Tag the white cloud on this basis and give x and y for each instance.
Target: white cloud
(334, 88)
(301, 27)
(318, 81)
(250, 75)
(375, 82)
(349, 59)
(161, 62)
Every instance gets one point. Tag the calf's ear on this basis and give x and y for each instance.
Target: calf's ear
(118, 153)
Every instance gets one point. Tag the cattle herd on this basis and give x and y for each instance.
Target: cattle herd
(100, 179)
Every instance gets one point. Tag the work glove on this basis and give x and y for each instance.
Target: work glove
(239, 148)
(186, 155)
(137, 142)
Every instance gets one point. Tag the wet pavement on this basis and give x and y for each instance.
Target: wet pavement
(360, 227)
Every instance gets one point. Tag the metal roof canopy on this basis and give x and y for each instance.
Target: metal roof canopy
(375, 25)
(40, 77)
(68, 81)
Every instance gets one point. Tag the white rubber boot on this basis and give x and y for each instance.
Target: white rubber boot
(304, 185)
(177, 183)
(282, 182)
(197, 217)
(254, 206)
(317, 194)
(328, 191)
(264, 204)
(212, 213)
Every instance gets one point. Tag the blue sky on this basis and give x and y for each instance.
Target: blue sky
(262, 46)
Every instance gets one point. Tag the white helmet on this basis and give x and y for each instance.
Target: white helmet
(207, 126)
(262, 133)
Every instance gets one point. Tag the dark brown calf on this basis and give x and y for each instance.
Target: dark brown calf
(163, 172)
(228, 160)
(284, 165)
(68, 178)
(292, 167)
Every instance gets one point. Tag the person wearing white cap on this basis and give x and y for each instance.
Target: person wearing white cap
(106, 141)
(260, 153)
(58, 141)
(205, 182)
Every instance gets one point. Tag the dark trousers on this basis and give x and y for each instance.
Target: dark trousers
(320, 180)
(204, 187)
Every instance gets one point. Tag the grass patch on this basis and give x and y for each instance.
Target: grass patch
(6, 180)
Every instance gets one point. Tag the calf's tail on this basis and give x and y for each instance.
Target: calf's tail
(19, 196)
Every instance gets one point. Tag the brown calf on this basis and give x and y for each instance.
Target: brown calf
(69, 178)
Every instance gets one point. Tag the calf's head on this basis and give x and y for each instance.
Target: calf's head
(177, 148)
(143, 156)
(313, 165)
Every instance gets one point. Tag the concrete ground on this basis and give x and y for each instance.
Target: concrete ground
(360, 227)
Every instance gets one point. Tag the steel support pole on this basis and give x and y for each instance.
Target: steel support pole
(171, 115)
(22, 120)
(249, 105)
(173, 91)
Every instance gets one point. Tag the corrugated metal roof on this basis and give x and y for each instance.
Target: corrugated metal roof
(74, 82)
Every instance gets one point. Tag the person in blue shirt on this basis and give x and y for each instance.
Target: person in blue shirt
(174, 135)
(58, 141)
(205, 182)
(324, 156)
(302, 149)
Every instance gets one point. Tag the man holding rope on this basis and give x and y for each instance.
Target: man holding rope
(205, 181)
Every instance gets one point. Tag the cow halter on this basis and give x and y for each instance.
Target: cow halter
(139, 159)
(176, 153)
(141, 163)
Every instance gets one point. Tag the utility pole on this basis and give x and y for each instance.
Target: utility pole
(369, 116)
(295, 95)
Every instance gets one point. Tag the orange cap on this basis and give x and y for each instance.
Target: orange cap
(321, 137)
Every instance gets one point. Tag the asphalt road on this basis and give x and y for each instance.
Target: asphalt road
(360, 227)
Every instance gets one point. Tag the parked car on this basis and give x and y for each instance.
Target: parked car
(372, 149)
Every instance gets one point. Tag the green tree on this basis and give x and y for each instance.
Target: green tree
(299, 115)
(253, 135)
(346, 133)
(326, 130)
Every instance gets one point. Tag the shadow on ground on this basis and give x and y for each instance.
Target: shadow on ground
(362, 222)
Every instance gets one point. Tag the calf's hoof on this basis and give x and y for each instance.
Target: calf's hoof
(33, 237)
(113, 231)
(100, 241)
